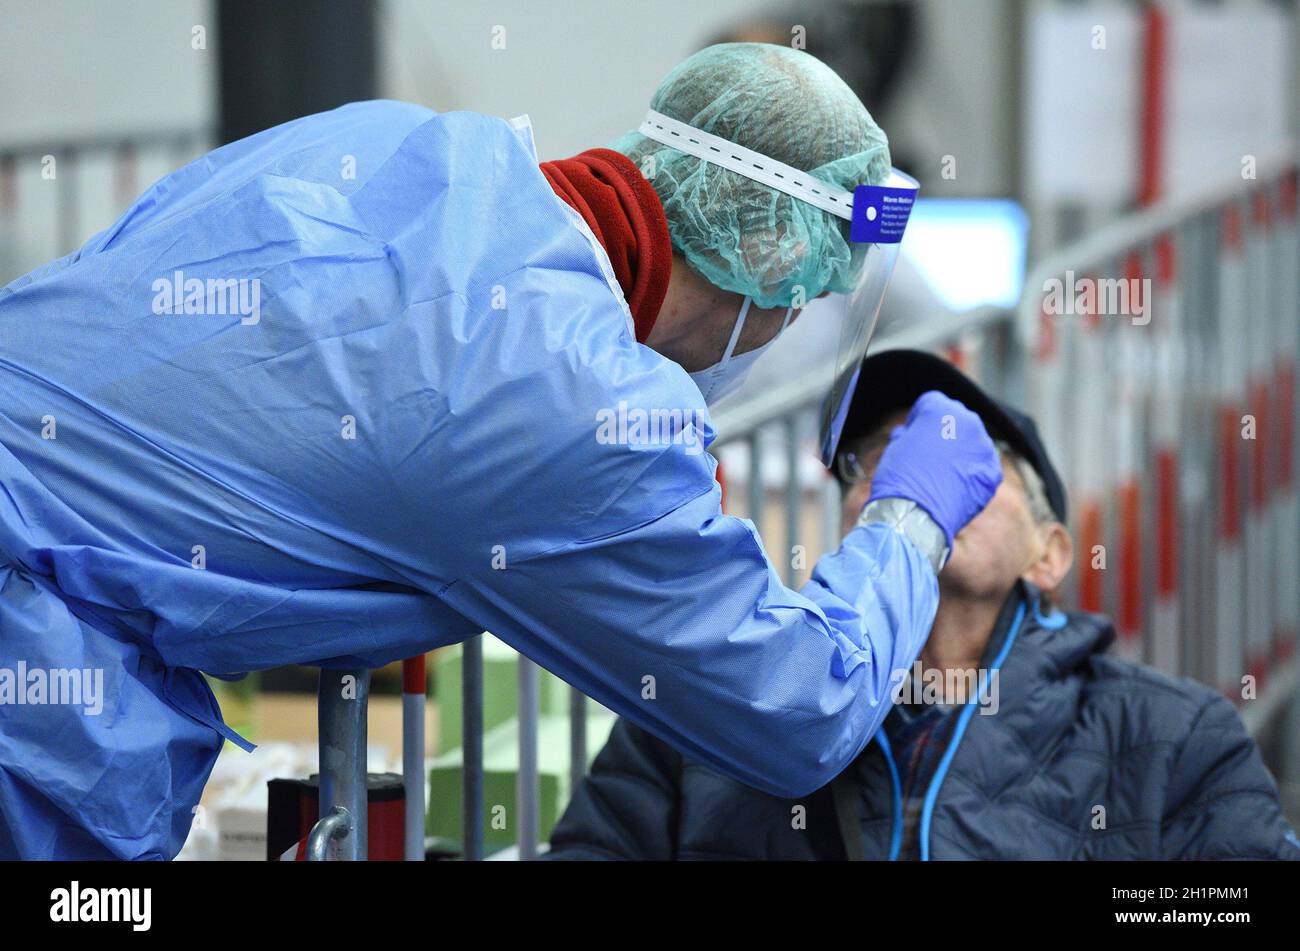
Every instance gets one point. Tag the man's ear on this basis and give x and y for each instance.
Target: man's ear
(1054, 559)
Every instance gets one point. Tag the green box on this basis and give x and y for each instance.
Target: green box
(500, 765)
(500, 689)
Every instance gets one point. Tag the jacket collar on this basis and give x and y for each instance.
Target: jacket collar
(1055, 644)
(1049, 647)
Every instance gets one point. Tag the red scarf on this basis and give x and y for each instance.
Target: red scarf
(625, 215)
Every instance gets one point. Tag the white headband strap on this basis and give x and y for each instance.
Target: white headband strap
(751, 164)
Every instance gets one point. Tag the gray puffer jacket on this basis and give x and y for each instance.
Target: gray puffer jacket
(1087, 757)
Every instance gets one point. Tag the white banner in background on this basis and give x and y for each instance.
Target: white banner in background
(1082, 89)
(1227, 94)
(1228, 91)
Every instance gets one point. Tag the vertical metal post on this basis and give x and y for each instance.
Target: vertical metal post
(526, 793)
(8, 185)
(577, 738)
(126, 162)
(793, 498)
(1013, 364)
(472, 747)
(342, 699)
(832, 515)
(1201, 295)
(69, 200)
(1191, 392)
(756, 480)
(181, 152)
(414, 691)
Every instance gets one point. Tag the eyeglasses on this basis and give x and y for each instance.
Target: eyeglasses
(851, 469)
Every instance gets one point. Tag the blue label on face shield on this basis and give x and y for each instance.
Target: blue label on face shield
(880, 213)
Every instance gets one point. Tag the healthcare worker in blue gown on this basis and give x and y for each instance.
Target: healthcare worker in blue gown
(364, 384)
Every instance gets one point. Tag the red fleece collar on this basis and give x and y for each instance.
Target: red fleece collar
(625, 215)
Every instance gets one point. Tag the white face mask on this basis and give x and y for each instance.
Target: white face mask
(725, 376)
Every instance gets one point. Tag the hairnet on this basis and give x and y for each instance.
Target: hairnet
(738, 233)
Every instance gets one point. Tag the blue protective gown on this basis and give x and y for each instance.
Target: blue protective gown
(398, 452)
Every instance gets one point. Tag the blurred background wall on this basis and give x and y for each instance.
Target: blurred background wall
(981, 97)
(76, 68)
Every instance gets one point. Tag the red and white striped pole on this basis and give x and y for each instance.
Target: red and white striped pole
(1167, 328)
(956, 354)
(1258, 548)
(1047, 380)
(1126, 432)
(414, 690)
(1229, 614)
(1286, 351)
(1090, 433)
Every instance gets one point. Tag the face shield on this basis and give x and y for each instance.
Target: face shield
(875, 217)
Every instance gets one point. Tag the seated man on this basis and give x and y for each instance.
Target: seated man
(1018, 738)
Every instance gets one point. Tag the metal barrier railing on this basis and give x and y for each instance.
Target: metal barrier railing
(1173, 421)
(343, 699)
(51, 192)
(986, 344)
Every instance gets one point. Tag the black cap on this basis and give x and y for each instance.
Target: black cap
(892, 380)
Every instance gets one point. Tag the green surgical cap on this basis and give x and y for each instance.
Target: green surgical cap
(738, 233)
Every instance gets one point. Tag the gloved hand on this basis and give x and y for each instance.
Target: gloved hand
(943, 460)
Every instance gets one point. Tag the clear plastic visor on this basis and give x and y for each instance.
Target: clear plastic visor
(825, 342)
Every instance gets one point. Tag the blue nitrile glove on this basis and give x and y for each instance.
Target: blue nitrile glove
(943, 460)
